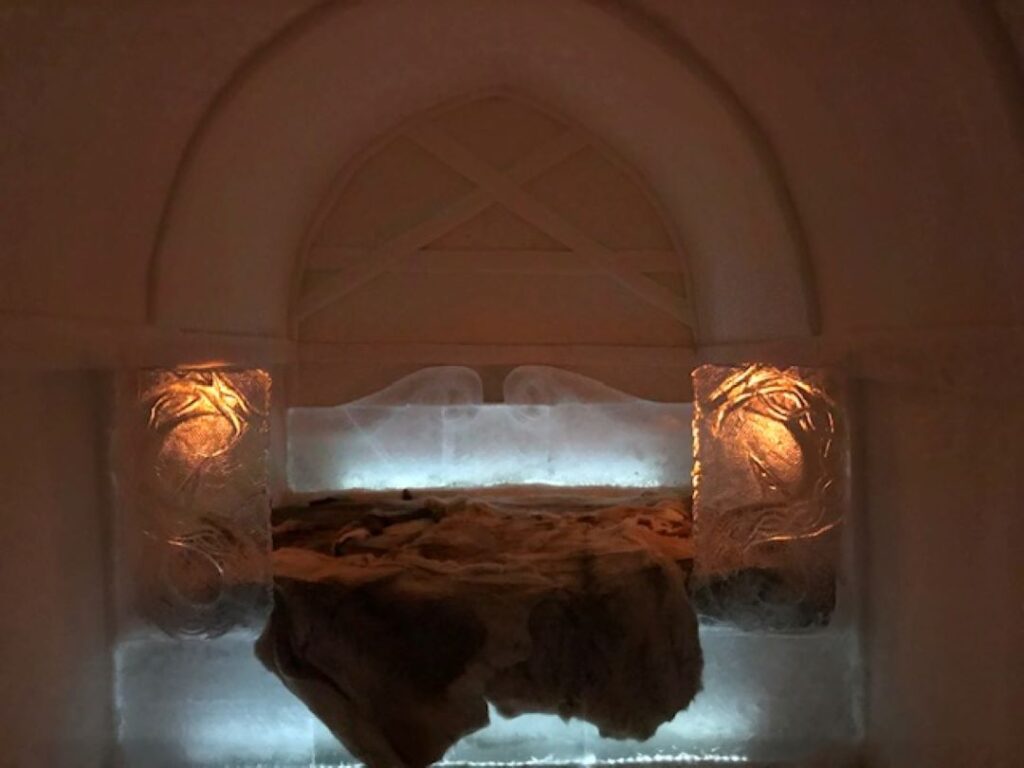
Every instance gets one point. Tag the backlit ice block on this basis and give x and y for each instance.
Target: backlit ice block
(766, 697)
(205, 700)
(769, 493)
(193, 510)
(554, 428)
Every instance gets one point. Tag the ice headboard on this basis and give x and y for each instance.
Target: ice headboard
(432, 430)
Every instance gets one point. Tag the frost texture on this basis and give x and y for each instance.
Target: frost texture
(432, 430)
(193, 509)
(769, 493)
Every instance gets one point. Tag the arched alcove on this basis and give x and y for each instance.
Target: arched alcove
(269, 151)
(491, 221)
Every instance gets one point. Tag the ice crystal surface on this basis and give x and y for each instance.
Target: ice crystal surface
(554, 428)
(193, 511)
(769, 493)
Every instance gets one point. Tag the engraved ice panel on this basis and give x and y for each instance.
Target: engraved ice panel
(193, 509)
(193, 578)
(433, 430)
(769, 493)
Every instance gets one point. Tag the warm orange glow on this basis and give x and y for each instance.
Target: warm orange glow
(195, 440)
(771, 450)
(201, 416)
(203, 413)
(769, 436)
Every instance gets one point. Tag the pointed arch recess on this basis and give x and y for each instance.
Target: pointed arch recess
(268, 151)
(501, 186)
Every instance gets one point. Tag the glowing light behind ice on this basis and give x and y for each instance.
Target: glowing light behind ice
(776, 697)
(770, 459)
(635, 444)
(431, 429)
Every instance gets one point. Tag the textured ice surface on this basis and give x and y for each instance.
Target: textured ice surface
(193, 517)
(210, 703)
(769, 493)
(192, 702)
(555, 428)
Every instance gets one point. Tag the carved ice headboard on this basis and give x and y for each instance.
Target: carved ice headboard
(432, 430)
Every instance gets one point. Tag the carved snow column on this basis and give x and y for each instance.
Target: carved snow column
(770, 489)
(194, 512)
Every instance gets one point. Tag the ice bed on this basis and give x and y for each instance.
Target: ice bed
(781, 672)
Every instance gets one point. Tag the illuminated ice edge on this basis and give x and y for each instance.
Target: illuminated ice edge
(633, 445)
(392, 474)
(685, 758)
(421, 475)
(261, 724)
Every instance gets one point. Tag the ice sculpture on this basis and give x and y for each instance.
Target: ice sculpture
(768, 492)
(440, 385)
(194, 511)
(428, 431)
(544, 385)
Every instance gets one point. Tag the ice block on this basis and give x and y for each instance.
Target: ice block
(431, 430)
(769, 493)
(193, 510)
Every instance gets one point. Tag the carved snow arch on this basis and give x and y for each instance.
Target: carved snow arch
(265, 156)
(491, 221)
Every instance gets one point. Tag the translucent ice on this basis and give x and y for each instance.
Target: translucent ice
(189, 702)
(768, 493)
(440, 385)
(192, 702)
(555, 428)
(766, 697)
(544, 385)
(193, 513)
